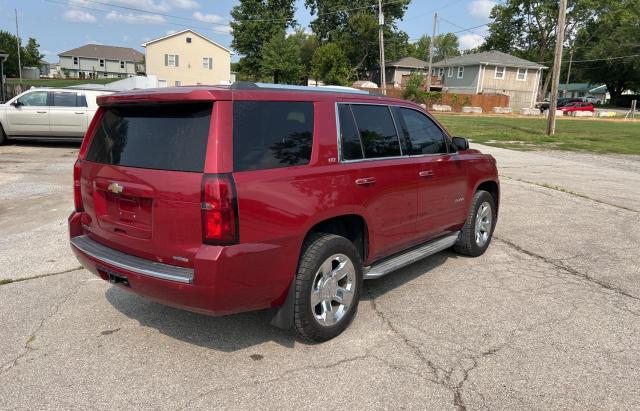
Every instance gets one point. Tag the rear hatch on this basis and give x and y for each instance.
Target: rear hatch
(142, 179)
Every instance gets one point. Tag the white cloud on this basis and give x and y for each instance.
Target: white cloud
(469, 41)
(207, 18)
(481, 8)
(151, 5)
(78, 16)
(78, 3)
(185, 4)
(133, 18)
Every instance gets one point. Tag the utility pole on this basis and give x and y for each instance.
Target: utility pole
(433, 39)
(557, 62)
(566, 86)
(18, 38)
(383, 74)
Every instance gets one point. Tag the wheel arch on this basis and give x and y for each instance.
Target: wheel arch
(351, 226)
(493, 188)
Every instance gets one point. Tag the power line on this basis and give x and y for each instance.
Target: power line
(432, 11)
(600, 59)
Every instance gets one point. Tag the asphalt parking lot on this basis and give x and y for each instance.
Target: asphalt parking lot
(549, 317)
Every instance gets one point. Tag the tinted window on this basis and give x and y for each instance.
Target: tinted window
(64, 99)
(37, 98)
(270, 134)
(423, 135)
(377, 131)
(349, 136)
(163, 137)
(81, 101)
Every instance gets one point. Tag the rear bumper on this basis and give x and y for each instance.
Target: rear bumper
(223, 280)
(129, 263)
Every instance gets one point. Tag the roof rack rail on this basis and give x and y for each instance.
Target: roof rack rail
(247, 85)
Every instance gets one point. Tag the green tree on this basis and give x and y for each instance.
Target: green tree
(280, 60)
(331, 65)
(30, 55)
(353, 26)
(255, 22)
(613, 32)
(307, 43)
(446, 45)
(527, 28)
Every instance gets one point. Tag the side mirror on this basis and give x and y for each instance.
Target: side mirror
(17, 103)
(460, 143)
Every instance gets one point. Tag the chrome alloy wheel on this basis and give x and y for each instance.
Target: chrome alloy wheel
(333, 289)
(483, 224)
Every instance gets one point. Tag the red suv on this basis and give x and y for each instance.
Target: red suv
(228, 199)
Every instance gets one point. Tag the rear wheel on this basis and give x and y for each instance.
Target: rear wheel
(328, 285)
(3, 136)
(477, 231)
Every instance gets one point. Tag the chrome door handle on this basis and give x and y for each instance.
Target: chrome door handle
(365, 181)
(426, 173)
(79, 112)
(41, 112)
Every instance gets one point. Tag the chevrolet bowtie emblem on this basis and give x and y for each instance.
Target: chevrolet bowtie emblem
(115, 188)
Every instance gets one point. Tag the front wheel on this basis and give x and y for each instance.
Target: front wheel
(477, 231)
(3, 136)
(328, 285)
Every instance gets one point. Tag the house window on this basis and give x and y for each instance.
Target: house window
(188, 39)
(171, 60)
(178, 83)
(440, 72)
(162, 83)
(207, 63)
(101, 62)
(460, 72)
(522, 74)
(75, 61)
(122, 64)
(500, 72)
(450, 72)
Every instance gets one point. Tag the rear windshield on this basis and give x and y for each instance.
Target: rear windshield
(162, 137)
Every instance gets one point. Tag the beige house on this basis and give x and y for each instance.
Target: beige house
(492, 72)
(187, 58)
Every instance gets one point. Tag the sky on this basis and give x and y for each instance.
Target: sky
(61, 25)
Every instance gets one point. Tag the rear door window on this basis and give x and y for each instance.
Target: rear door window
(377, 130)
(162, 137)
(422, 135)
(64, 99)
(271, 134)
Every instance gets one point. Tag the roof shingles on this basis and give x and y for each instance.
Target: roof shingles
(99, 51)
(488, 57)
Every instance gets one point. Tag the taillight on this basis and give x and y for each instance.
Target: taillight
(77, 189)
(219, 210)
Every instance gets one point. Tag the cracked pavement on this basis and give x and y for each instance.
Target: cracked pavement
(549, 317)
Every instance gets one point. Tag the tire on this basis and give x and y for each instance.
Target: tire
(475, 238)
(318, 314)
(3, 136)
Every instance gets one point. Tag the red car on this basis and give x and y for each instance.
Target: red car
(577, 106)
(228, 199)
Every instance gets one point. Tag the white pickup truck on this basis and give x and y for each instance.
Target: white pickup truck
(48, 113)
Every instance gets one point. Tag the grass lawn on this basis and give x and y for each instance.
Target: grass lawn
(599, 136)
(60, 82)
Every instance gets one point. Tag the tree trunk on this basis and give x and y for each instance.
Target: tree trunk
(545, 87)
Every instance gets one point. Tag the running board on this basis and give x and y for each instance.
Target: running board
(415, 254)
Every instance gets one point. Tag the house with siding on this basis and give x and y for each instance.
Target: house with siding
(398, 72)
(187, 58)
(100, 61)
(492, 72)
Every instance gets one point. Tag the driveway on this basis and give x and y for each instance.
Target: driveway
(549, 317)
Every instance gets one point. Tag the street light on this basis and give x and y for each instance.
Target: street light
(3, 57)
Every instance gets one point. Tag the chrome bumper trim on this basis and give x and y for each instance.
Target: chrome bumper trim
(131, 263)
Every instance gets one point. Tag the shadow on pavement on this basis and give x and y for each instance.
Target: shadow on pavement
(240, 331)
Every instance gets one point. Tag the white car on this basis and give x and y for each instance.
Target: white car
(48, 113)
